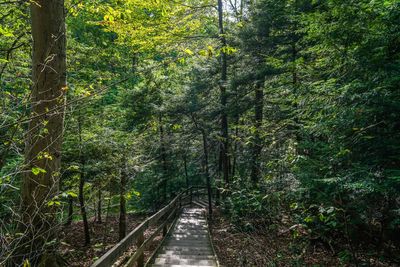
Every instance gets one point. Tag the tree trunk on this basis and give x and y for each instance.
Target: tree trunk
(163, 161)
(223, 98)
(122, 207)
(70, 210)
(186, 171)
(108, 205)
(257, 145)
(235, 147)
(83, 208)
(81, 195)
(105, 232)
(99, 206)
(44, 137)
(207, 173)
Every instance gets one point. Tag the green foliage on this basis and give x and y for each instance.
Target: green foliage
(144, 87)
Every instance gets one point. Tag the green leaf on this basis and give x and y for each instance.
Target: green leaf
(6, 32)
(37, 170)
(27, 263)
(52, 203)
(72, 194)
(309, 219)
(189, 52)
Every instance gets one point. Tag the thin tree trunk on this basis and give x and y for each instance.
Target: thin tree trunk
(108, 205)
(223, 98)
(70, 210)
(235, 154)
(122, 207)
(107, 217)
(83, 208)
(207, 173)
(164, 160)
(82, 185)
(186, 171)
(99, 206)
(44, 136)
(257, 146)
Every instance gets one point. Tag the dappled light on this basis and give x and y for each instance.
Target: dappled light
(199, 133)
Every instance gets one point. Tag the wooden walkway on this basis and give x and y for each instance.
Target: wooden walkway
(188, 243)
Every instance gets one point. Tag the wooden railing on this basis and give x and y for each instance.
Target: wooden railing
(168, 214)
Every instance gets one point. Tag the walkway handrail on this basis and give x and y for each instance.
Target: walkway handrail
(137, 235)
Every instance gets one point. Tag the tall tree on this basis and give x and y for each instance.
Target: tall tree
(163, 155)
(223, 97)
(257, 143)
(45, 133)
(122, 203)
(82, 183)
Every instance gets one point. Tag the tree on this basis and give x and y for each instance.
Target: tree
(257, 146)
(223, 97)
(122, 203)
(82, 178)
(45, 134)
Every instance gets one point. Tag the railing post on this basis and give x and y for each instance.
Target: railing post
(140, 240)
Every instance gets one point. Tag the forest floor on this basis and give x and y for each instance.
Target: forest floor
(103, 237)
(237, 248)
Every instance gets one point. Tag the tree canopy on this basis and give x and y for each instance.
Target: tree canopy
(288, 109)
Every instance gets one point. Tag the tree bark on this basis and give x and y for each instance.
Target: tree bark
(186, 170)
(235, 147)
(99, 206)
(105, 232)
(81, 195)
(40, 183)
(122, 207)
(257, 145)
(164, 182)
(70, 210)
(207, 172)
(223, 98)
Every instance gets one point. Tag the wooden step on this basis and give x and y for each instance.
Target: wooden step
(199, 253)
(180, 261)
(189, 243)
(205, 203)
(178, 265)
(199, 204)
(187, 256)
(189, 236)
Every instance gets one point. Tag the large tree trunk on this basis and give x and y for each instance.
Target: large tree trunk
(223, 98)
(45, 134)
(122, 206)
(257, 145)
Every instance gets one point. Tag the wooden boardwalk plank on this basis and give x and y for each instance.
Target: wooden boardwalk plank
(188, 244)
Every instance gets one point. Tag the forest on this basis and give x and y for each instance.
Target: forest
(285, 114)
